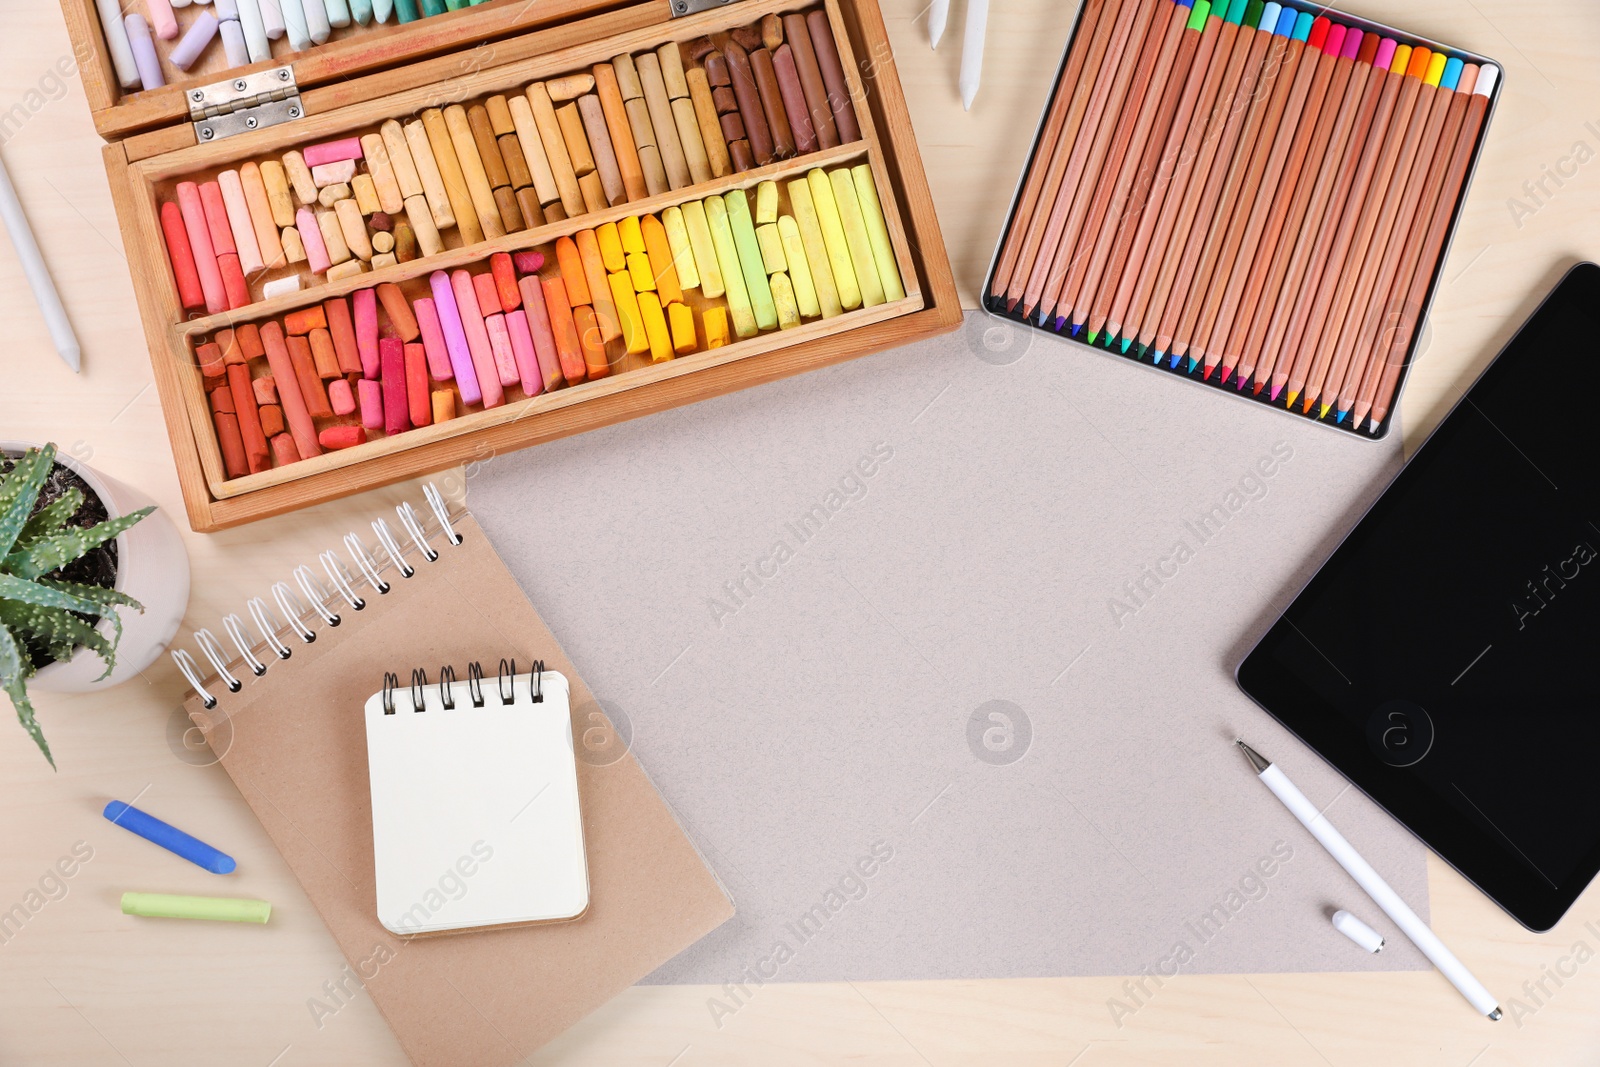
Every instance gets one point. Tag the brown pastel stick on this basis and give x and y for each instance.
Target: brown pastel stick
(605, 155)
(450, 174)
(376, 153)
(516, 163)
(725, 100)
(505, 202)
(756, 130)
(398, 308)
(766, 75)
(341, 328)
(569, 87)
(743, 158)
(500, 120)
(576, 140)
(747, 37)
(234, 463)
(660, 105)
(627, 75)
(624, 143)
(488, 148)
(271, 416)
(644, 139)
(705, 114)
(324, 356)
(532, 211)
(716, 67)
(555, 150)
(312, 390)
(771, 32)
(733, 127)
(694, 148)
(594, 191)
(256, 453)
(844, 112)
(655, 173)
(816, 91)
(472, 169)
(672, 74)
(794, 100)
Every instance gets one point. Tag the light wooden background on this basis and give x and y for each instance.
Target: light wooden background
(81, 984)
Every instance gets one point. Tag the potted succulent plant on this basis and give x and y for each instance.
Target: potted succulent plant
(74, 548)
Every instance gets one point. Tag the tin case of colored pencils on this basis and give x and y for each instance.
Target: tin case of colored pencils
(243, 454)
(1122, 180)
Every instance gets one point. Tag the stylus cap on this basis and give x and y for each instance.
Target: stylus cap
(1357, 931)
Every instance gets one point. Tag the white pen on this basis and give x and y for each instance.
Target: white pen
(938, 16)
(38, 275)
(972, 50)
(1370, 880)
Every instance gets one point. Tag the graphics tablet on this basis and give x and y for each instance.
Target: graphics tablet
(1445, 657)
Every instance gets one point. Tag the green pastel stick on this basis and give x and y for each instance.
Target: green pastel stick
(805, 217)
(361, 11)
(455, 5)
(878, 232)
(218, 909)
(855, 236)
(406, 10)
(750, 261)
(739, 309)
(433, 7)
(844, 272)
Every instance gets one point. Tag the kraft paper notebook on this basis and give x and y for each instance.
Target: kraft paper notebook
(293, 739)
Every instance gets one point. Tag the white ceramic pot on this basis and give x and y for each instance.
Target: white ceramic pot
(152, 567)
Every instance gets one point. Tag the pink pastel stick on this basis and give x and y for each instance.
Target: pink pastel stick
(332, 151)
(311, 238)
(205, 253)
(433, 341)
(455, 338)
(522, 348)
(505, 359)
(340, 397)
(371, 394)
(244, 233)
(396, 402)
(544, 338)
(162, 20)
(217, 219)
(366, 315)
(477, 339)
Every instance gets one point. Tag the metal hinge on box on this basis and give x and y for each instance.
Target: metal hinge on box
(243, 104)
(682, 8)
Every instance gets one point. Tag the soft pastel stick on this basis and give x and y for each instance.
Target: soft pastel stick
(681, 320)
(523, 352)
(342, 329)
(455, 337)
(855, 233)
(544, 341)
(338, 13)
(599, 289)
(216, 213)
(116, 34)
(370, 393)
(504, 273)
(739, 309)
(418, 393)
(233, 283)
(589, 342)
(162, 20)
(406, 10)
(263, 220)
(396, 398)
(169, 837)
(433, 343)
(398, 308)
(317, 27)
(877, 233)
(626, 301)
(816, 250)
(361, 11)
(332, 151)
(655, 327)
(289, 395)
(232, 33)
(681, 248)
(272, 18)
(612, 254)
(826, 211)
(750, 261)
(574, 270)
(143, 47)
(294, 23)
(205, 254)
(382, 9)
(366, 316)
(218, 909)
(505, 358)
(180, 254)
(659, 251)
(340, 397)
(794, 253)
(477, 338)
(705, 252)
(305, 221)
(564, 330)
(254, 26)
(183, 54)
(488, 294)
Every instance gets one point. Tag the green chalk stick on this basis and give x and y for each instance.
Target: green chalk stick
(738, 297)
(219, 909)
(749, 248)
(406, 10)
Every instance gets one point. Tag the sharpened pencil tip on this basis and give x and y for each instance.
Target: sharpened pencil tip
(1093, 337)
(1127, 343)
(1293, 396)
(1324, 412)
(1076, 329)
(1174, 361)
(1339, 419)
(1011, 305)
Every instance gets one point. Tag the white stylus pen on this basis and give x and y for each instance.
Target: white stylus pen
(1367, 878)
(38, 275)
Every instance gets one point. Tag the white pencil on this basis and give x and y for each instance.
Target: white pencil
(972, 50)
(938, 17)
(1370, 880)
(44, 289)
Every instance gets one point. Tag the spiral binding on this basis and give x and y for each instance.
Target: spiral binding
(505, 685)
(343, 585)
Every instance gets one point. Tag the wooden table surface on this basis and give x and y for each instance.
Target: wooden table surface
(81, 984)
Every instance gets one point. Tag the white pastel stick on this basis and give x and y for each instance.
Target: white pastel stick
(180, 3)
(244, 232)
(938, 18)
(338, 12)
(255, 30)
(232, 31)
(34, 269)
(116, 35)
(972, 50)
(294, 23)
(272, 19)
(381, 10)
(316, 20)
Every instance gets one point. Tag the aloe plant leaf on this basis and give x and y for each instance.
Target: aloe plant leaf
(19, 490)
(51, 517)
(14, 670)
(59, 549)
(45, 594)
(60, 630)
(97, 595)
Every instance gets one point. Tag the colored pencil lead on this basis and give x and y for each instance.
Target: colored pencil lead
(1127, 343)
(1093, 337)
(1159, 355)
(1339, 421)
(1076, 329)
(1193, 363)
(1292, 398)
(1227, 372)
(1324, 412)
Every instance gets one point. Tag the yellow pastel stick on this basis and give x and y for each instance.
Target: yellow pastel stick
(628, 315)
(715, 321)
(794, 253)
(611, 247)
(681, 320)
(749, 249)
(855, 235)
(771, 244)
(878, 233)
(766, 203)
(655, 328)
(644, 279)
(632, 238)
(827, 210)
(783, 300)
(739, 309)
(816, 249)
(217, 909)
(705, 251)
(682, 250)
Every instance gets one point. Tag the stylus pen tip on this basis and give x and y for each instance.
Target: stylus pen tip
(1494, 1016)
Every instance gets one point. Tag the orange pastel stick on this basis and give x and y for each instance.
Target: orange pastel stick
(505, 280)
(591, 341)
(660, 255)
(594, 276)
(398, 308)
(568, 347)
(572, 274)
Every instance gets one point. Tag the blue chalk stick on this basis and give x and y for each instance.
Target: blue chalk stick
(169, 837)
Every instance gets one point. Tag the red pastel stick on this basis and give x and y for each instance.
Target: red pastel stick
(418, 395)
(294, 404)
(396, 403)
(505, 281)
(205, 253)
(184, 275)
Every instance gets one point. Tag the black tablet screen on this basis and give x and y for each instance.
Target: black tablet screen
(1447, 657)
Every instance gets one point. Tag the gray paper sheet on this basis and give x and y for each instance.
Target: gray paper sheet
(932, 654)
